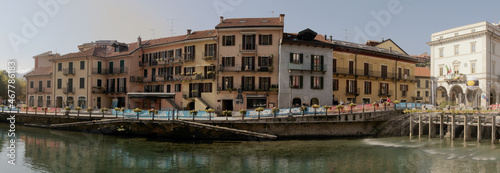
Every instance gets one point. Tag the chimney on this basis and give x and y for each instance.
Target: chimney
(189, 32)
(139, 41)
(282, 18)
(331, 38)
(221, 19)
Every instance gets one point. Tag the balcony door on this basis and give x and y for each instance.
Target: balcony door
(351, 67)
(249, 42)
(383, 71)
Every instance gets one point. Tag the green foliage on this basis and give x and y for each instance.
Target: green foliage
(19, 84)
(137, 110)
(243, 111)
(445, 103)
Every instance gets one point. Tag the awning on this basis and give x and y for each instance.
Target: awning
(151, 95)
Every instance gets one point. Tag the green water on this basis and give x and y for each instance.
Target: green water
(42, 150)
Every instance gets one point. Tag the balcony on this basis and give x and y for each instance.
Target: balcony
(235, 68)
(384, 92)
(406, 77)
(121, 90)
(69, 71)
(136, 79)
(307, 67)
(455, 78)
(98, 71)
(248, 87)
(188, 57)
(248, 48)
(98, 90)
(342, 71)
(69, 90)
(39, 90)
(352, 91)
(113, 71)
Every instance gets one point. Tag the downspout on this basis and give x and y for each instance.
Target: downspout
(89, 86)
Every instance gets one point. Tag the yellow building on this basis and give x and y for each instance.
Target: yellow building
(372, 72)
(39, 81)
(423, 85)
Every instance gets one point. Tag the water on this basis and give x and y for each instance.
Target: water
(42, 150)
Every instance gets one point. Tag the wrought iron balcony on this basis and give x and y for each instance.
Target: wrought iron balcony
(69, 71)
(384, 92)
(69, 90)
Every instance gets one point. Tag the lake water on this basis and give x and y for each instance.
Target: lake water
(43, 150)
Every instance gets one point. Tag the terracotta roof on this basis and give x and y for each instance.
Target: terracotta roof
(372, 43)
(88, 52)
(42, 71)
(193, 35)
(250, 22)
(422, 71)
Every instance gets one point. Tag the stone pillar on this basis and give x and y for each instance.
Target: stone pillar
(493, 129)
(411, 125)
(453, 126)
(441, 133)
(479, 128)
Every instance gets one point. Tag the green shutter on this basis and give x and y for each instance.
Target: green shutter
(312, 62)
(291, 57)
(322, 62)
(312, 82)
(301, 58)
(301, 81)
(321, 83)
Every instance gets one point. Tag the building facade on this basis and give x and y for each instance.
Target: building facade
(423, 85)
(39, 83)
(464, 53)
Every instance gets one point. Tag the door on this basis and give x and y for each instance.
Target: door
(70, 85)
(366, 69)
(351, 67)
(227, 105)
(99, 102)
(122, 66)
(40, 86)
(59, 102)
(99, 66)
(384, 71)
(110, 67)
(70, 68)
(399, 73)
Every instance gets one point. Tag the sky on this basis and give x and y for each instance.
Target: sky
(32, 27)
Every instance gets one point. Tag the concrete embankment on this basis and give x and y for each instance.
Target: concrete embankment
(301, 127)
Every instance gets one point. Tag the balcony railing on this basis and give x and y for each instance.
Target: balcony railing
(137, 79)
(69, 71)
(384, 92)
(98, 90)
(307, 67)
(248, 87)
(188, 56)
(235, 68)
(248, 48)
(352, 91)
(105, 71)
(39, 90)
(121, 90)
(69, 90)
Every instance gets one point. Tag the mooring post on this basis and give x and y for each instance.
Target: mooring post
(479, 128)
(441, 134)
(493, 129)
(411, 125)
(431, 126)
(466, 128)
(453, 127)
(420, 129)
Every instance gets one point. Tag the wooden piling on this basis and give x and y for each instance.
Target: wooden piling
(453, 126)
(411, 125)
(493, 129)
(441, 133)
(420, 129)
(431, 127)
(466, 128)
(478, 128)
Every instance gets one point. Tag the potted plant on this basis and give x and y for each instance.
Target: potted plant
(227, 113)
(315, 107)
(340, 107)
(193, 112)
(44, 109)
(103, 110)
(153, 112)
(116, 111)
(123, 112)
(258, 110)
(374, 104)
(35, 108)
(275, 111)
(26, 108)
(137, 111)
(352, 105)
(243, 112)
(78, 111)
(303, 109)
(210, 111)
(67, 108)
(2, 107)
(89, 110)
(395, 103)
(326, 109)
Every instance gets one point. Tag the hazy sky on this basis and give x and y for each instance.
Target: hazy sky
(29, 28)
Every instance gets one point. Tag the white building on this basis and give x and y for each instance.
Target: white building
(464, 52)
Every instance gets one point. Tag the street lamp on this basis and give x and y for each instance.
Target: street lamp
(67, 91)
(291, 101)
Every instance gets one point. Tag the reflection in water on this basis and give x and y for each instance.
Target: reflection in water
(59, 151)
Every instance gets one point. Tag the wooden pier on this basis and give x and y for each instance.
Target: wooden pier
(453, 121)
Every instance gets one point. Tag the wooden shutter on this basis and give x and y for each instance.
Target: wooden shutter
(301, 81)
(253, 63)
(301, 58)
(355, 87)
(258, 61)
(270, 59)
(206, 49)
(321, 83)
(312, 62)
(321, 62)
(347, 86)
(291, 57)
(270, 39)
(312, 82)
(224, 61)
(334, 66)
(232, 62)
(242, 82)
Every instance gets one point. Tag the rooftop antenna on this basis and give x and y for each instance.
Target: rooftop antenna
(272, 12)
(171, 27)
(346, 34)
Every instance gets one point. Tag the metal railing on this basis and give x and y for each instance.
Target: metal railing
(98, 90)
(69, 90)
(69, 71)
(352, 91)
(235, 68)
(106, 71)
(39, 90)
(307, 67)
(384, 92)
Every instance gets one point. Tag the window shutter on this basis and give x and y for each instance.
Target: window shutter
(355, 87)
(312, 62)
(301, 81)
(312, 82)
(232, 62)
(321, 62)
(260, 39)
(242, 81)
(260, 83)
(253, 63)
(291, 57)
(258, 61)
(224, 61)
(270, 59)
(185, 71)
(215, 50)
(243, 63)
(369, 87)
(301, 58)
(291, 82)
(321, 83)
(347, 86)
(270, 39)
(192, 54)
(206, 49)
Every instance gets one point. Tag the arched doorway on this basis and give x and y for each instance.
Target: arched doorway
(296, 102)
(190, 106)
(314, 101)
(457, 95)
(493, 96)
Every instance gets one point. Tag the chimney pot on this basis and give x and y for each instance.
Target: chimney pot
(331, 38)
(282, 18)
(189, 32)
(139, 41)
(221, 19)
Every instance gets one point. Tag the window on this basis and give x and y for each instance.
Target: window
(59, 66)
(426, 93)
(418, 93)
(169, 54)
(351, 87)
(473, 47)
(145, 73)
(31, 101)
(99, 83)
(265, 39)
(248, 83)
(296, 82)
(473, 67)
(177, 70)
(40, 86)
(189, 52)
(248, 42)
(404, 90)
(383, 72)
(296, 58)
(456, 68)
(210, 50)
(443, 94)
(48, 84)
(169, 89)
(82, 82)
(39, 101)
(441, 52)
(188, 70)
(351, 67)
(368, 87)
(177, 88)
(384, 89)
(456, 49)
(441, 71)
(317, 62)
(248, 63)
(47, 104)
(59, 83)
(32, 83)
(227, 82)
(335, 85)
(264, 61)
(316, 82)
(228, 61)
(207, 87)
(228, 40)
(82, 65)
(426, 83)
(334, 66)
(418, 83)
(264, 83)
(366, 69)
(407, 73)
(178, 53)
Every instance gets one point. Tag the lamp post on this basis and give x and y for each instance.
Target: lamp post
(67, 91)
(291, 101)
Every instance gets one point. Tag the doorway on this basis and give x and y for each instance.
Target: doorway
(227, 105)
